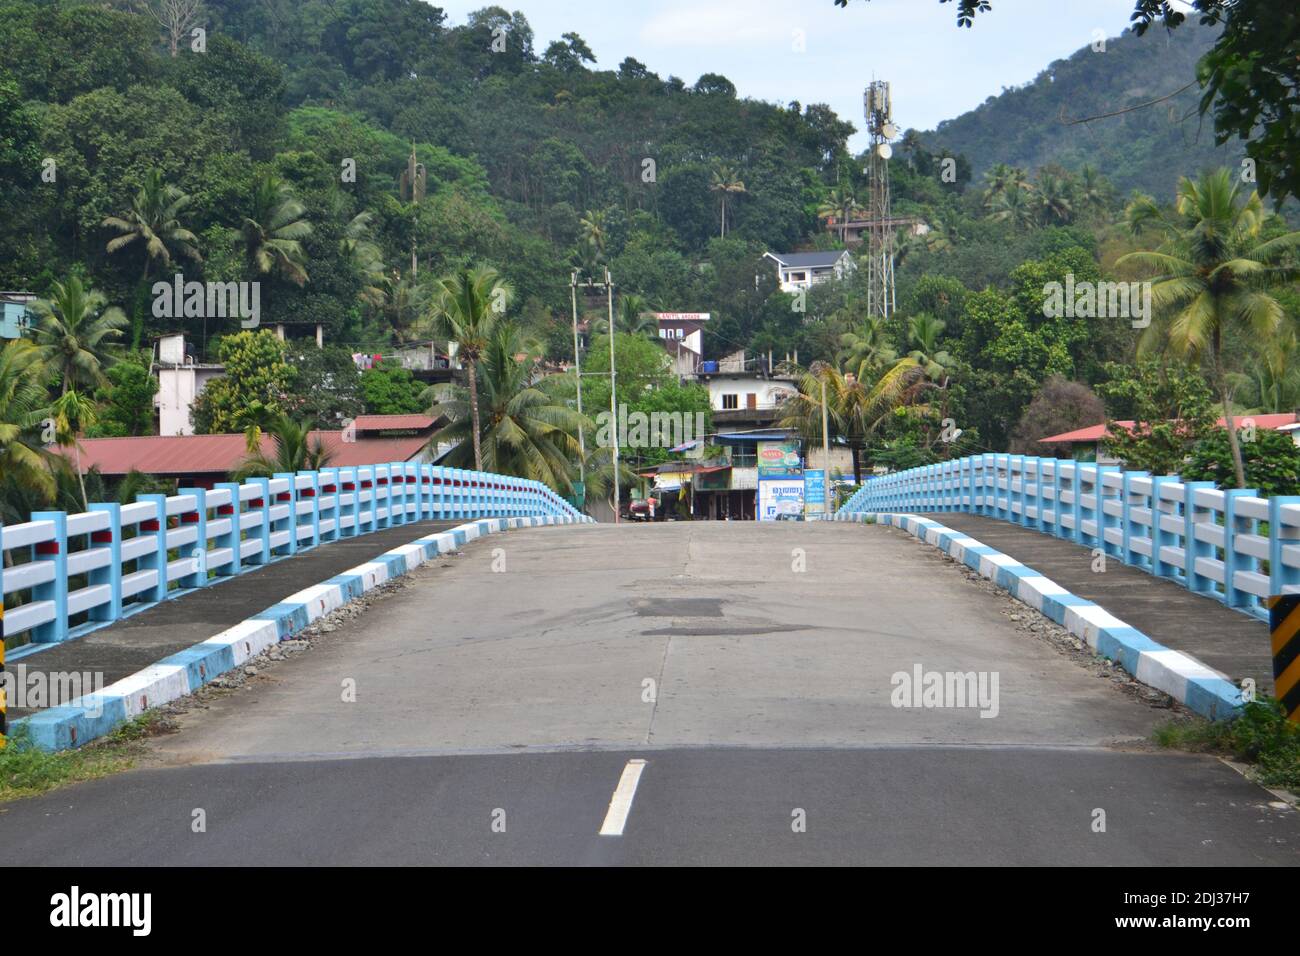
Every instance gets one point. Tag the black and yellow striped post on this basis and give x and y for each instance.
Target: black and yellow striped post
(1284, 627)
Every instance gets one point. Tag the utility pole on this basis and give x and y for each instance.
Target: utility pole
(577, 372)
(613, 411)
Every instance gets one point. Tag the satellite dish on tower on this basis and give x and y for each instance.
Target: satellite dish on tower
(890, 131)
(884, 151)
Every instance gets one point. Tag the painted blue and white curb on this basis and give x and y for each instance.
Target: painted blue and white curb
(1181, 676)
(98, 714)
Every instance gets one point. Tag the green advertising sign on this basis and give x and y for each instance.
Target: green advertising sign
(779, 458)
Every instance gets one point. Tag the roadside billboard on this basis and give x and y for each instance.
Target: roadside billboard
(780, 499)
(778, 459)
(814, 491)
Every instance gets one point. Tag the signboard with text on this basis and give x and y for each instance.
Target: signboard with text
(780, 499)
(778, 458)
(814, 491)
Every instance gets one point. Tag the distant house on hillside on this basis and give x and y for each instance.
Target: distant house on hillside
(15, 315)
(801, 270)
(682, 336)
(1089, 444)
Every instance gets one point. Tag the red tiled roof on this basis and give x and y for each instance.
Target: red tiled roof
(1098, 432)
(166, 455)
(375, 423)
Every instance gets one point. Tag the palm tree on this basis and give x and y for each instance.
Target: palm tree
(840, 203)
(366, 258)
(1273, 383)
(924, 330)
(1012, 205)
(1095, 193)
(867, 349)
(154, 222)
(76, 334)
(273, 232)
(293, 450)
(725, 181)
(1054, 197)
(1002, 179)
(635, 318)
(73, 414)
(524, 429)
(23, 462)
(1212, 274)
(466, 308)
(855, 408)
(594, 232)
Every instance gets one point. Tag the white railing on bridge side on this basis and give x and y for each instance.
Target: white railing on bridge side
(1231, 545)
(74, 572)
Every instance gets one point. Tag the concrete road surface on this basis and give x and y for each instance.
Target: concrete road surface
(505, 702)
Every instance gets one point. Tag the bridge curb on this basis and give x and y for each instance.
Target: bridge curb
(1176, 673)
(95, 715)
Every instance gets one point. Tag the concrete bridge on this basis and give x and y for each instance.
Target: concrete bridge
(829, 692)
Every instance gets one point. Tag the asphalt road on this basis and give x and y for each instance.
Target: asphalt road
(503, 701)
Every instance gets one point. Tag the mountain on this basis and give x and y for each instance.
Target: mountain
(1146, 148)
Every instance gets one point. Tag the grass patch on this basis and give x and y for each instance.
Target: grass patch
(1261, 736)
(26, 770)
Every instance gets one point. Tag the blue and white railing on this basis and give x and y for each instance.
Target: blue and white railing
(75, 572)
(1212, 542)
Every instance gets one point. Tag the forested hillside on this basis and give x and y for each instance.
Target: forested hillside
(1145, 149)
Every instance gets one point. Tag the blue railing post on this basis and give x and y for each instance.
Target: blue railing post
(1280, 577)
(156, 560)
(198, 576)
(1076, 508)
(289, 499)
(232, 538)
(1193, 548)
(111, 574)
(262, 503)
(1232, 561)
(55, 553)
(1160, 538)
(349, 514)
(1105, 520)
(330, 487)
(1128, 525)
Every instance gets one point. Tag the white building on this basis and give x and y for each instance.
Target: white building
(802, 270)
(180, 381)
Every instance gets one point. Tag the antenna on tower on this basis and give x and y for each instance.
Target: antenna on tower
(878, 107)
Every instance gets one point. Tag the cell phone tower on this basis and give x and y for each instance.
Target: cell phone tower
(880, 237)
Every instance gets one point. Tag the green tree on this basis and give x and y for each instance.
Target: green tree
(391, 390)
(74, 413)
(126, 402)
(526, 431)
(1213, 275)
(467, 306)
(1171, 408)
(154, 222)
(76, 333)
(726, 182)
(1272, 461)
(293, 449)
(257, 383)
(274, 230)
(23, 461)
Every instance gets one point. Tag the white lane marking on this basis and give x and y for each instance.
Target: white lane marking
(620, 804)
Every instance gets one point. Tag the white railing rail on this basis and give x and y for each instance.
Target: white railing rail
(67, 573)
(1231, 545)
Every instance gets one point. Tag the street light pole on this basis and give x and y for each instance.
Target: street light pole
(613, 411)
(577, 371)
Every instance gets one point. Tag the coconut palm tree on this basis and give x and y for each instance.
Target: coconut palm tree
(595, 232)
(1001, 179)
(523, 427)
(635, 318)
(23, 461)
(76, 334)
(293, 450)
(466, 308)
(1054, 197)
(1095, 193)
(1013, 205)
(855, 408)
(154, 222)
(866, 349)
(274, 230)
(73, 414)
(840, 203)
(726, 181)
(924, 331)
(1272, 384)
(1212, 275)
(366, 258)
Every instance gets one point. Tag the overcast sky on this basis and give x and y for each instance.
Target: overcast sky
(938, 70)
